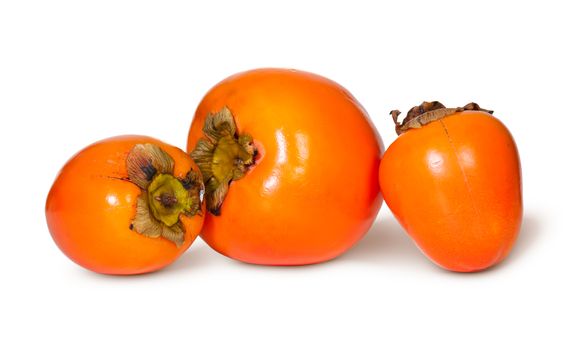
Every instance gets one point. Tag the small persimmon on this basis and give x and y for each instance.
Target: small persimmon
(290, 164)
(452, 179)
(126, 205)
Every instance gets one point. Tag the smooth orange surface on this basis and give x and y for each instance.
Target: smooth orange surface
(313, 192)
(455, 186)
(90, 207)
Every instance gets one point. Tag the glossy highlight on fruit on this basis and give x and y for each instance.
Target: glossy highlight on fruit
(290, 163)
(126, 205)
(453, 181)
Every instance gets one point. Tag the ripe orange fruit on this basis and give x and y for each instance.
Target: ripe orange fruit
(452, 179)
(126, 205)
(290, 163)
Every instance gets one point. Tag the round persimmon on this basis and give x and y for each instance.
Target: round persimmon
(452, 179)
(126, 205)
(290, 164)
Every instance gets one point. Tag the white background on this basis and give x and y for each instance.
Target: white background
(74, 72)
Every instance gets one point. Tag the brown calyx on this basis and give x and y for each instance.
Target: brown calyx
(428, 112)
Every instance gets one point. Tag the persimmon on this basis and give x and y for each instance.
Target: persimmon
(290, 162)
(126, 205)
(452, 179)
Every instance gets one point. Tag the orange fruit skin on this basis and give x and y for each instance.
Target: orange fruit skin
(313, 192)
(455, 186)
(91, 205)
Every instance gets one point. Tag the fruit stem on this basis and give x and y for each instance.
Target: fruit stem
(167, 200)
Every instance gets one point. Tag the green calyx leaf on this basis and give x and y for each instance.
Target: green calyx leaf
(222, 156)
(163, 197)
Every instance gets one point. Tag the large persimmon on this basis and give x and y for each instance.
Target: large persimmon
(126, 205)
(289, 161)
(452, 179)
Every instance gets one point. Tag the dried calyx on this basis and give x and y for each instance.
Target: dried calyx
(223, 156)
(163, 197)
(428, 112)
